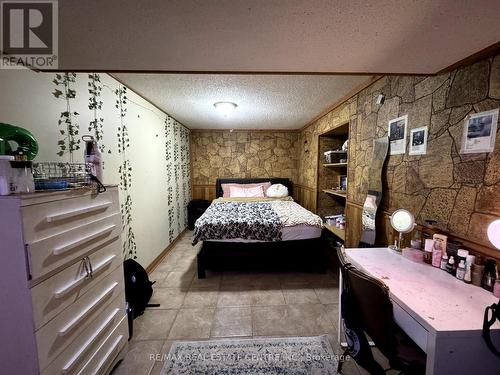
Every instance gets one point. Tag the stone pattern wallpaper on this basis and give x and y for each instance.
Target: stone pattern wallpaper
(242, 154)
(459, 191)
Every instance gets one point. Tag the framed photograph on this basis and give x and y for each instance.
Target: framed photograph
(397, 135)
(418, 141)
(480, 131)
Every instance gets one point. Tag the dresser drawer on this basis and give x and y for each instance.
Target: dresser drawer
(61, 331)
(46, 219)
(50, 253)
(104, 356)
(80, 351)
(53, 295)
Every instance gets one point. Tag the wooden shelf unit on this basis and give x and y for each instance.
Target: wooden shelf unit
(329, 200)
(335, 192)
(336, 231)
(333, 165)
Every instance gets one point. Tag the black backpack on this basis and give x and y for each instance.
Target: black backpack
(138, 288)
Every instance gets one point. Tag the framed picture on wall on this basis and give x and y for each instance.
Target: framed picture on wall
(397, 135)
(418, 141)
(480, 131)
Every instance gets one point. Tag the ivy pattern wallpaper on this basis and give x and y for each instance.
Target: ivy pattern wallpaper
(145, 151)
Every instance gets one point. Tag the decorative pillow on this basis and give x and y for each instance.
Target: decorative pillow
(277, 191)
(238, 192)
(226, 187)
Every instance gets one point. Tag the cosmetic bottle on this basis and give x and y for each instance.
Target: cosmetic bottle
(436, 254)
(451, 265)
(469, 261)
(461, 270)
(490, 274)
(444, 262)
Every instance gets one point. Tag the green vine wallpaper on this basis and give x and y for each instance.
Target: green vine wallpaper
(145, 151)
(96, 125)
(69, 129)
(125, 171)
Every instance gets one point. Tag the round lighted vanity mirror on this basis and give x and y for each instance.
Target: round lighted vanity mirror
(494, 233)
(403, 221)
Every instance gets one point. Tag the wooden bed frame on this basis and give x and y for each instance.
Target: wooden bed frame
(308, 255)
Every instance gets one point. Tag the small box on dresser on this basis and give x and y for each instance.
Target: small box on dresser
(62, 308)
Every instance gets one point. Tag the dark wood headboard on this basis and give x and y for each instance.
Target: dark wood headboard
(272, 180)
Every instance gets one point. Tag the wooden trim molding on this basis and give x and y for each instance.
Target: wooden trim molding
(152, 266)
(269, 130)
(489, 51)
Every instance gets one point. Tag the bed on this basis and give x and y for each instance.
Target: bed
(258, 233)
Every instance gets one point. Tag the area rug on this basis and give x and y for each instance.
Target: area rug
(286, 355)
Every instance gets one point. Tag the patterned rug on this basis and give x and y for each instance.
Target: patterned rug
(287, 355)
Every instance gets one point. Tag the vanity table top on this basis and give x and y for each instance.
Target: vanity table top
(436, 299)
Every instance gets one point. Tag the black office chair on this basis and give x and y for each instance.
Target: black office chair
(371, 311)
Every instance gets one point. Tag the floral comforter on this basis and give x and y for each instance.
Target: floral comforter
(251, 220)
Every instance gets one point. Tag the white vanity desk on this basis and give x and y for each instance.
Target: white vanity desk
(443, 315)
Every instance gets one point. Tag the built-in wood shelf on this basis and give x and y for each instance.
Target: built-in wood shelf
(338, 193)
(338, 152)
(336, 231)
(335, 165)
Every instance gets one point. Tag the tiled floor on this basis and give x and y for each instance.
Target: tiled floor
(229, 304)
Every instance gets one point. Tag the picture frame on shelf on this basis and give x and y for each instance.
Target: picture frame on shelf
(479, 132)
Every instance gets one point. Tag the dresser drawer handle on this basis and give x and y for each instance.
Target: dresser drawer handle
(62, 292)
(79, 211)
(108, 355)
(62, 249)
(87, 345)
(87, 311)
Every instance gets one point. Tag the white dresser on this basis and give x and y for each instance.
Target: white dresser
(62, 296)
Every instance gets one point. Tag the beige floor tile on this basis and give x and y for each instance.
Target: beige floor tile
(232, 321)
(200, 298)
(234, 298)
(153, 324)
(176, 279)
(300, 295)
(289, 320)
(186, 266)
(311, 319)
(162, 271)
(168, 298)
(272, 321)
(327, 294)
(310, 279)
(250, 279)
(267, 297)
(333, 313)
(161, 358)
(139, 359)
(212, 281)
(192, 323)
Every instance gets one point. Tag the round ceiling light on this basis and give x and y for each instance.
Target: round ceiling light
(225, 108)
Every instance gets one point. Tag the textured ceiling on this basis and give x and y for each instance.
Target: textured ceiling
(352, 36)
(264, 101)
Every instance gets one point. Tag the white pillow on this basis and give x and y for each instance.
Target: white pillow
(238, 192)
(277, 191)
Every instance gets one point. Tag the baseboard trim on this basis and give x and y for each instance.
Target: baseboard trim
(164, 253)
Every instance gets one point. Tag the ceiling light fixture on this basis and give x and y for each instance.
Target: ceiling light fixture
(225, 108)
